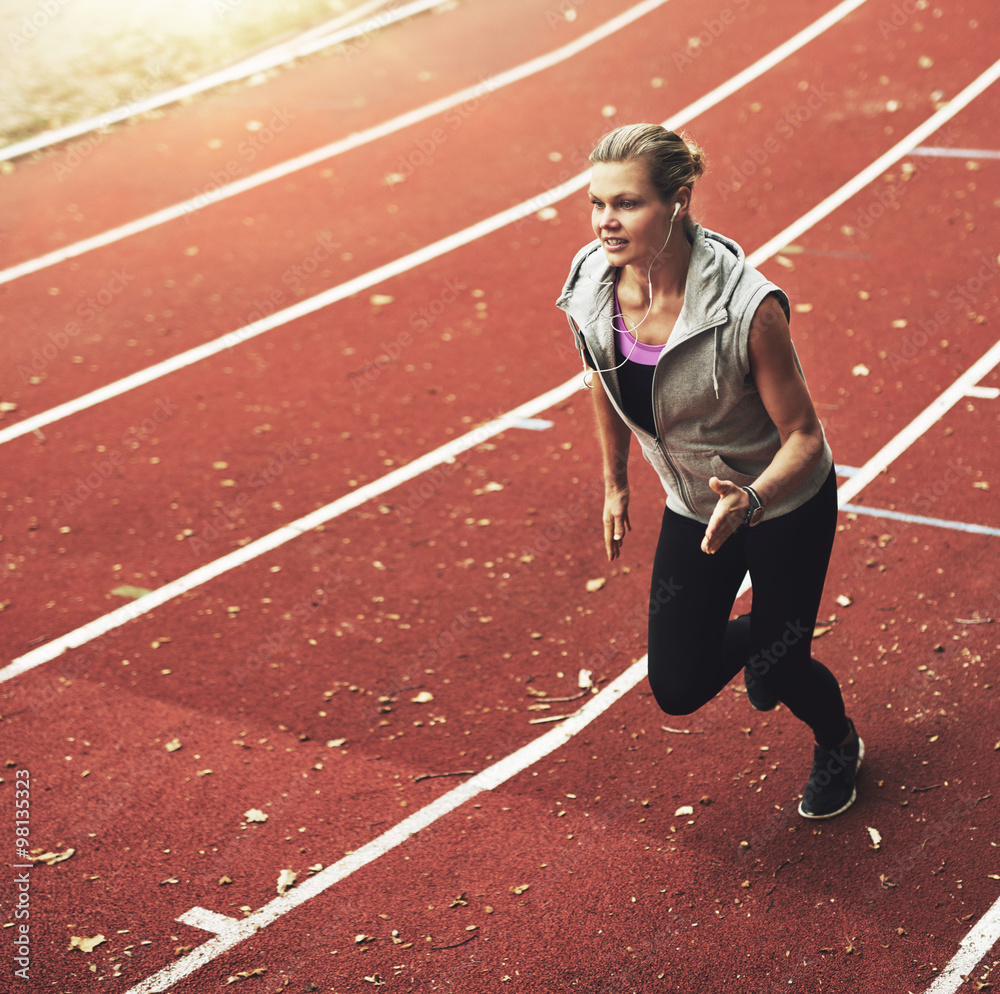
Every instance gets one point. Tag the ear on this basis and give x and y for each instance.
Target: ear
(683, 197)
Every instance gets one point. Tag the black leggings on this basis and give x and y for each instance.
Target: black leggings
(694, 647)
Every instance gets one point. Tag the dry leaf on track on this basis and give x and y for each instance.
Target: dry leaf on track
(87, 945)
(50, 858)
(285, 880)
(244, 974)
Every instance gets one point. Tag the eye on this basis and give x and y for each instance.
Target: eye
(627, 205)
(596, 204)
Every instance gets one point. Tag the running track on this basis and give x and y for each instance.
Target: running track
(366, 522)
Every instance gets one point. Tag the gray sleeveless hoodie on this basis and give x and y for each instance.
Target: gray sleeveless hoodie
(709, 417)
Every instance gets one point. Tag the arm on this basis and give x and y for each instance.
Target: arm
(615, 437)
(790, 407)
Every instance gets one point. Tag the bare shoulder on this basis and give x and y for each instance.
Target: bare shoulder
(769, 321)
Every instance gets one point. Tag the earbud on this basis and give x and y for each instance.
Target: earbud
(677, 208)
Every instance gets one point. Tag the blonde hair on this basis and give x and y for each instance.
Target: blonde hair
(673, 160)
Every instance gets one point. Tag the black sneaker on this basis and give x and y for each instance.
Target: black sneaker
(831, 787)
(760, 698)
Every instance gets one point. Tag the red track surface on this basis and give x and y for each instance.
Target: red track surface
(470, 582)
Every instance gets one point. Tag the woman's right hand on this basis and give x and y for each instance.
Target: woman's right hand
(616, 521)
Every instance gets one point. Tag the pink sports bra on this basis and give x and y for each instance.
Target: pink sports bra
(628, 346)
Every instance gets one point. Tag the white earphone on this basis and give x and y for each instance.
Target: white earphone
(677, 208)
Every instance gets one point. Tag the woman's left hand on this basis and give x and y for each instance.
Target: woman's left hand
(730, 512)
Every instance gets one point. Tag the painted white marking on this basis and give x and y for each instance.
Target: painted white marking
(307, 44)
(489, 779)
(976, 944)
(208, 921)
(533, 424)
(146, 603)
(920, 424)
(916, 519)
(985, 393)
(224, 192)
(879, 166)
(408, 262)
(845, 470)
(957, 153)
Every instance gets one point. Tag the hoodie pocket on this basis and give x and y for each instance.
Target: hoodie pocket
(724, 471)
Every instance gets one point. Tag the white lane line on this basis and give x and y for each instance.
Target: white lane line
(975, 945)
(957, 153)
(489, 779)
(306, 44)
(142, 605)
(224, 192)
(916, 519)
(984, 393)
(880, 165)
(408, 262)
(919, 425)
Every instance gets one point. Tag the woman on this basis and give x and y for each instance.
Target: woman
(688, 349)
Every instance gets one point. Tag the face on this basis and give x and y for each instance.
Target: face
(627, 214)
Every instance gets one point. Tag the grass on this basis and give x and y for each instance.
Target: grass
(67, 60)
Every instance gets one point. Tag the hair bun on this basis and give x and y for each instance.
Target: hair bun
(699, 161)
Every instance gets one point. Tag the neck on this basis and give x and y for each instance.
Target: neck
(664, 276)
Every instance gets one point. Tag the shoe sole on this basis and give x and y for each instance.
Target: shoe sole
(853, 797)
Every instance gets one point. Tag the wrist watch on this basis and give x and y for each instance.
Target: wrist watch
(755, 512)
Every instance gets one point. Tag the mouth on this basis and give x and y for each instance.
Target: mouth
(614, 244)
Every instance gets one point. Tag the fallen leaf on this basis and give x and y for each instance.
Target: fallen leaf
(169, 880)
(821, 630)
(684, 809)
(459, 902)
(50, 858)
(844, 601)
(87, 945)
(424, 697)
(595, 584)
(244, 974)
(173, 745)
(254, 814)
(335, 743)
(585, 679)
(519, 889)
(381, 299)
(876, 837)
(860, 370)
(285, 880)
